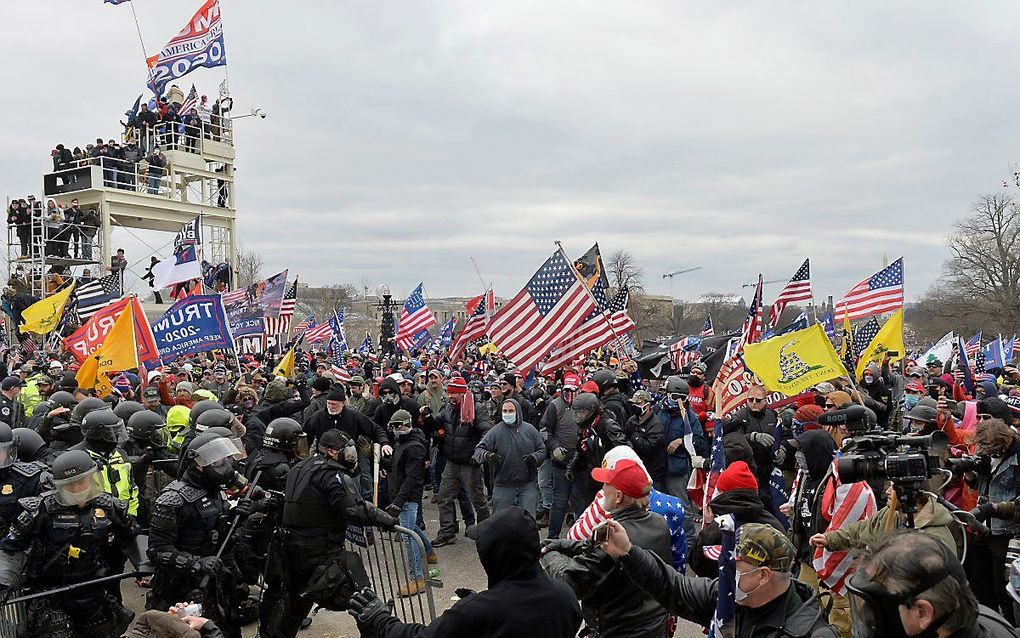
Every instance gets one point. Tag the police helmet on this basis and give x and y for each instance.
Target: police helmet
(147, 428)
(63, 399)
(76, 478)
(8, 449)
(104, 425)
(28, 443)
(200, 407)
(125, 409)
(213, 417)
(87, 405)
(285, 434)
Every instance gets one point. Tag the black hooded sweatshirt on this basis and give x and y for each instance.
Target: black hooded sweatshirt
(520, 601)
(819, 448)
(746, 507)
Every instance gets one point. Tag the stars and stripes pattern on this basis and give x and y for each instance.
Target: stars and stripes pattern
(305, 324)
(545, 311)
(337, 337)
(973, 345)
(593, 333)
(878, 294)
(797, 289)
(850, 503)
(415, 316)
(864, 336)
(366, 346)
(281, 325)
(478, 311)
(94, 295)
(319, 333)
(752, 329)
(707, 330)
(190, 102)
(725, 604)
(444, 339)
(685, 352)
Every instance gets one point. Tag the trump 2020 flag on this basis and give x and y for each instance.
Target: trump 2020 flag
(196, 323)
(199, 44)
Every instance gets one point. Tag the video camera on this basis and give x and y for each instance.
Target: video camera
(979, 463)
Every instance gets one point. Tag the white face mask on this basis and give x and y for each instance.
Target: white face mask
(738, 593)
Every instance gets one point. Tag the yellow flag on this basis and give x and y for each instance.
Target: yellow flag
(44, 315)
(888, 342)
(118, 352)
(286, 367)
(794, 362)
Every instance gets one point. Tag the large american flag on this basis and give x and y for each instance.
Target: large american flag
(597, 331)
(415, 316)
(94, 295)
(281, 325)
(305, 324)
(850, 503)
(797, 289)
(319, 333)
(752, 329)
(707, 330)
(702, 484)
(879, 293)
(685, 352)
(478, 310)
(545, 311)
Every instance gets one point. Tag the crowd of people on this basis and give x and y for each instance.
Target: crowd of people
(597, 456)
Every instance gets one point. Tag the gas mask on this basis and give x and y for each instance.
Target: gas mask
(391, 398)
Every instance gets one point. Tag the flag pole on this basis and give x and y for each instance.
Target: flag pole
(138, 29)
(584, 285)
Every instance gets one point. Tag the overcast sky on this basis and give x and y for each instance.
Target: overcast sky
(404, 138)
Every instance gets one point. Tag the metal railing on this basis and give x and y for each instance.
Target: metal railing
(386, 561)
(13, 617)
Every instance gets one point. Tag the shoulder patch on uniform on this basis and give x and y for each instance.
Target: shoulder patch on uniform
(169, 498)
(29, 469)
(30, 503)
(192, 494)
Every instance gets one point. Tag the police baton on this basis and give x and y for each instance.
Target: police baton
(233, 527)
(66, 588)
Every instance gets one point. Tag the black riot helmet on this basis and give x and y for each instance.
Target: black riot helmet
(200, 407)
(63, 399)
(87, 405)
(286, 435)
(76, 478)
(587, 408)
(213, 418)
(125, 409)
(213, 456)
(604, 379)
(8, 449)
(103, 430)
(347, 454)
(147, 428)
(28, 443)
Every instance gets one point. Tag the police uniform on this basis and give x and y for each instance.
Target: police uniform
(318, 504)
(63, 545)
(271, 467)
(10, 411)
(17, 481)
(117, 477)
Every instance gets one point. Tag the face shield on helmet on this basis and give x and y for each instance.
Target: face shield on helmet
(874, 610)
(216, 458)
(8, 454)
(79, 489)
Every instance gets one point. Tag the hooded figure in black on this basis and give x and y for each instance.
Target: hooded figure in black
(877, 395)
(814, 452)
(520, 601)
(391, 401)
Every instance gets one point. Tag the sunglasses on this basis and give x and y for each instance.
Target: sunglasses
(984, 417)
(753, 400)
(830, 405)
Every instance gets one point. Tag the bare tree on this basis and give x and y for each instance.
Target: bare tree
(249, 267)
(323, 300)
(623, 270)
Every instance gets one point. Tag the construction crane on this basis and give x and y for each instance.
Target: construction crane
(764, 283)
(670, 276)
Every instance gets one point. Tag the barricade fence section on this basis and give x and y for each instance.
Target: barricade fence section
(13, 615)
(388, 562)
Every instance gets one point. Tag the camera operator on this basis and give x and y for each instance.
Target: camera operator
(998, 484)
(913, 586)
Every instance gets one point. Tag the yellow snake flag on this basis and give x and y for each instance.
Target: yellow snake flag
(44, 315)
(888, 342)
(286, 367)
(794, 362)
(118, 352)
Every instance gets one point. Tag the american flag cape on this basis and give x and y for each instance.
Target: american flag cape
(545, 311)
(415, 316)
(850, 503)
(797, 289)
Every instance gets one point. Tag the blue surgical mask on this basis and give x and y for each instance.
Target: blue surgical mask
(910, 400)
(510, 418)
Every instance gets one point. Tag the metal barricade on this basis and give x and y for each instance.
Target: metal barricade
(11, 615)
(386, 561)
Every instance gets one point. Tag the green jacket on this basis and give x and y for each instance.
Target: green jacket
(932, 518)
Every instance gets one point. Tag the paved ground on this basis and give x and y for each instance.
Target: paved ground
(459, 568)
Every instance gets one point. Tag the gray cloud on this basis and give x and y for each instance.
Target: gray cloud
(404, 138)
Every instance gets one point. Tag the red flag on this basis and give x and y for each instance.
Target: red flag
(85, 340)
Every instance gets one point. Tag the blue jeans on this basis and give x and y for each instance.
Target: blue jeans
(545, 486)
(560, 498)
(523, 496)
(415, 562)
(154, 184)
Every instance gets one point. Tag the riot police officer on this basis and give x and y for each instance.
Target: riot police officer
(31, 447)
(124, 409)
(152, 465)
(60, 402)
(17, 480)
(71, 535)
(104, 434)
(320, 500)
(187, 528)
(60, 426)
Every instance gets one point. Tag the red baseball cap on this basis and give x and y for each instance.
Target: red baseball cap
(571, 380)
(626, 476)
(915, 386)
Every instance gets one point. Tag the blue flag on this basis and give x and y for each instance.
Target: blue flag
(725, 604)
(366, 345)
(829, 325)
(444, 339)
(336, 323)
(197, 323)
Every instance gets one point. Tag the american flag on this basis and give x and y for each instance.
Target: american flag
(701, 485)
(1016, 346)
(725, 605)
(864, 336)
(444, 339)
(305, 324)
(318, 333)
(338, 349)
(594, 333)
(28, 347)
(478, 310)
(415, 316)
(94, 295)
(685, 352)
(968, 372)
(190, 102)
(545, 311)
(797, 289)
(850, 503)
(707, 330)
(338, 336)
(972, 346)
(752, 329)
(879, 293)
(281, 325)
(366, 346)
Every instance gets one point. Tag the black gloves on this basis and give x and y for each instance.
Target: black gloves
(245, 507)
(493, 459)
(210, 565)
(393, 510)
(983, 512)
(464, 592)
(531, 460)
(367, 609)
